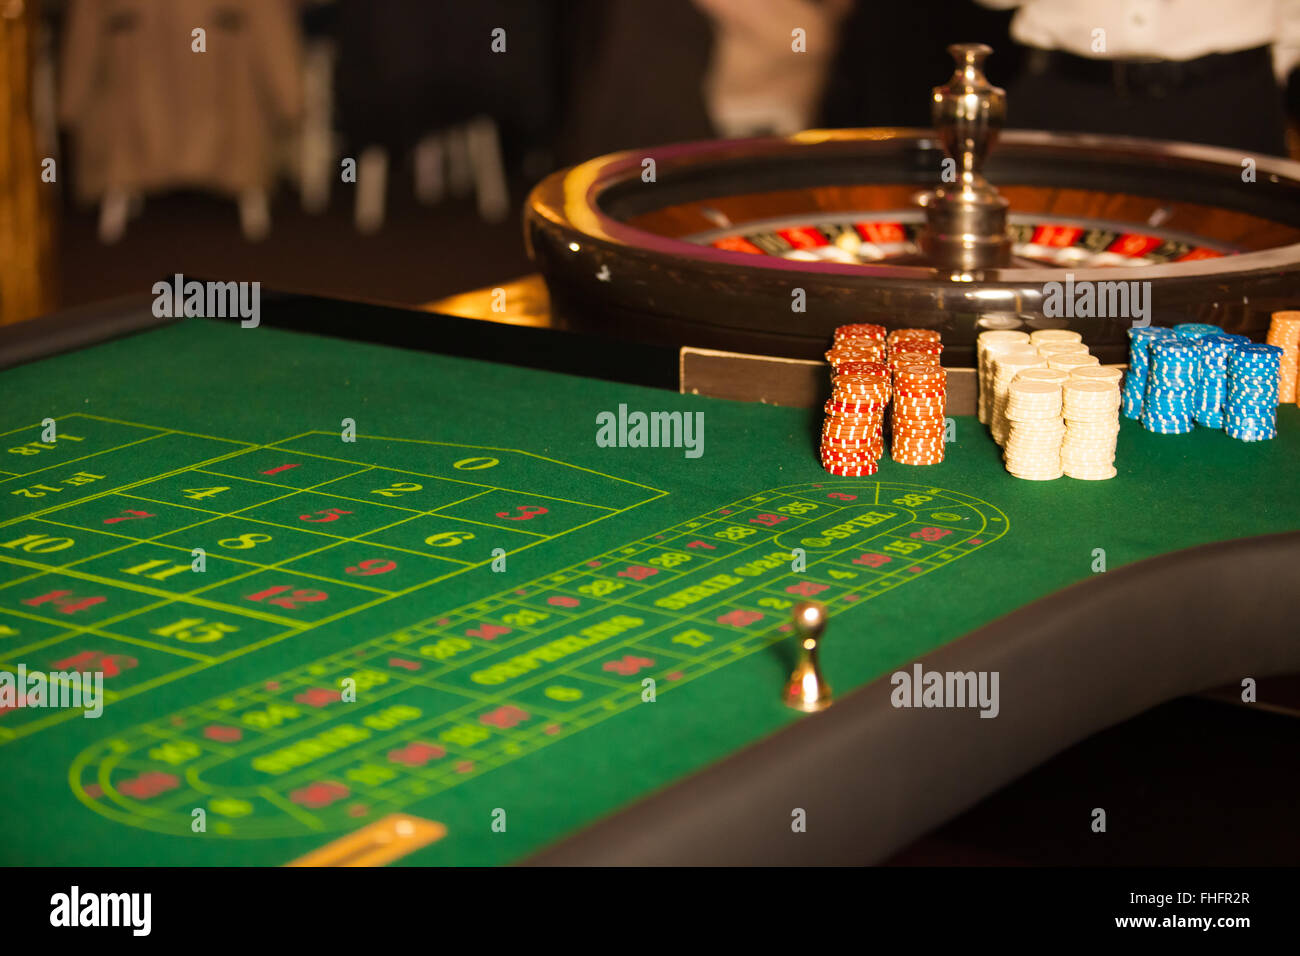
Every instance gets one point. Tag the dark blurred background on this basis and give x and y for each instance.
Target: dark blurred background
(409, 82)
(228, 164)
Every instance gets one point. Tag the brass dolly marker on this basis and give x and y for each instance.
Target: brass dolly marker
(806, 689)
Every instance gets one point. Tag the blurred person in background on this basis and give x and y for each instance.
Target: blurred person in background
(1201, 71)
(767, 71)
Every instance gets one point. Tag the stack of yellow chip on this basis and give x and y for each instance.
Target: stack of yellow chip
(1070, 362)
(1006, 365)
(1032, 411)
(1049, 349)
(986, 346)
(1041, 337)
(1284, 332)
(1091, 411)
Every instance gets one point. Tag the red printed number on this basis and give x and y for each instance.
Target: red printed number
(372, 566)
(276, 595)
(637, 572)
(806, 588)
(488, 632)
(526, 513)
(329, 514)
(628, 666)
(64, 601)
(739, 618)
(110, 665)
(129, 515)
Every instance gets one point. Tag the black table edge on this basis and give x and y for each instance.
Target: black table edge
(554, 350)
(76, 328)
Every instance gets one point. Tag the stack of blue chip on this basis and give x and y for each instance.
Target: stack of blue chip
(1250, 412)
(1139, 367)
(1195, 331)
(1171, 383)
(1212, 382)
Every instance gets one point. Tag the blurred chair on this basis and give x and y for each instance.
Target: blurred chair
(431, 82)
(149, 112)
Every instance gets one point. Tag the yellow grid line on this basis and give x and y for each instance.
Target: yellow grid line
(179, 547)
(98, 631)
(176, 431)
(477, 484)
(444, 444)
(94, 454)
(336, 538)
(295, 626)
(599, 707)
(111, 491)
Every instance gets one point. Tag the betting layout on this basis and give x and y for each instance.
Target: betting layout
(101, 525)
(469, 689)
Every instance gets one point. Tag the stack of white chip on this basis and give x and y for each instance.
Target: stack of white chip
(1091, 408)
(986, 346)
(1070, 362)
(1040, 337)
(1006, 365)
(1033, 413)
(1062, 348)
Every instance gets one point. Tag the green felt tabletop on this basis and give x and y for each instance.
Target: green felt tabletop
(472, 611)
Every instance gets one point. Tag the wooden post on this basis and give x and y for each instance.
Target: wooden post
(26, 201)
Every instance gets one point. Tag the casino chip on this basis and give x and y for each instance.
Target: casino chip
(1006, 365)
(986, 345)
(1055, 408)
(1032, 410)
(859, 342)
(1139, 366)
(1091, 409)
(1211, 392)
(1195, 331)
(1049, 349)
(1250, 410)
(860, 333)
(852, 439)
(853, 354)
(1100, 373)
(912, 352)
(1042, 337)
(1167, 406)
(917, 419)
(1069, 362)
(1284, 332)
(1055, 375)
(912, 335)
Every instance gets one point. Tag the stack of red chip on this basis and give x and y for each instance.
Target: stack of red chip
(913, 351)
(852, 438)
(857, 343)
(918, 418)
(912, 335)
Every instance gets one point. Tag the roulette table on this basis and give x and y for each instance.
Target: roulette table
(494, 583)
(461, 630)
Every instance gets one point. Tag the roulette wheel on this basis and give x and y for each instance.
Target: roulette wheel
(768, 244)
